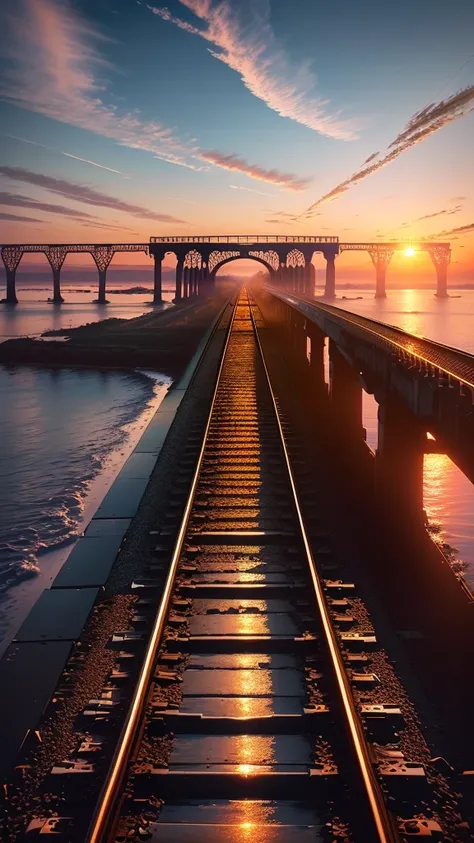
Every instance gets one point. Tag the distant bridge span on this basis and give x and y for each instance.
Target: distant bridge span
(287, 257)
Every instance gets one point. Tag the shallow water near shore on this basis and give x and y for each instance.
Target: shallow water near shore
(65, 435)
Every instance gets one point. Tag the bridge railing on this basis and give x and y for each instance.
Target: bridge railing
(452, 362)
(245, 239)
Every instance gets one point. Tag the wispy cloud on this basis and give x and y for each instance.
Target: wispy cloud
(251, 190)
(245, 41)
(463, 229)
(446, 212)
(421, 126)
(83, 193)
(281, 214)
(232, 162)
(19, 201)
(14, 218)
(67, 154)
(54, 66)
(107, 227)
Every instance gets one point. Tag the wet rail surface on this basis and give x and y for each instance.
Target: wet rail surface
(253, 715)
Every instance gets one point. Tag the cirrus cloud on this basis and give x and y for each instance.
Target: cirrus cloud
(245, 42)
(235, 164)
(421, 126)
(83, 193)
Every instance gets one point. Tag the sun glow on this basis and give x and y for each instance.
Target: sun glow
(409, 251)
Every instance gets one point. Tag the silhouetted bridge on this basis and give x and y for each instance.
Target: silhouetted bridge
(198, 258)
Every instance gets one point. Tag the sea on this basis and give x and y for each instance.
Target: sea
(64, 434)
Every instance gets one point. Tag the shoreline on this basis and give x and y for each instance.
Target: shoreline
(160, 340)
(20, 598)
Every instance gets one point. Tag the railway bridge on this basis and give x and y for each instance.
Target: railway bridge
(198, 258)
(256, 637)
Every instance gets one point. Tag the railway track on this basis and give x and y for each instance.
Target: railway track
(252, 653)
(244, 721)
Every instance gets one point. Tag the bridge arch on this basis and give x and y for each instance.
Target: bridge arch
(249, 257)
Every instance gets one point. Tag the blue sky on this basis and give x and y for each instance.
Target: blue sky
(237, 116)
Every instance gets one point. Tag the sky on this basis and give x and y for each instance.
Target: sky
(122, 119)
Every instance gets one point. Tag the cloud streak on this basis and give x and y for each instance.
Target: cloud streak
(66, 154)
(421, 126)
(243, 39)
(14, 218)
(446, 212)
(463, 229)
(20, 201)
(235, 164)
(83, 193)
(251, 190)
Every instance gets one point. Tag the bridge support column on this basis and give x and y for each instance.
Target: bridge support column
(10, 297)
(157, 280)
(399, 460)
(345, 393)
(56, 256)
(308, 287)
(330, 288)
(206, 284)
(316, 355)
(441, 257)
(102, 256)
(57, 297)
(381, 257)
(11, 256)
(101, 299)
(179, 280)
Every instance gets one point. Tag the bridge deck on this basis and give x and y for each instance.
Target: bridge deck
(453, 362)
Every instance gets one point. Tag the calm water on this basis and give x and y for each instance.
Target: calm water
(64, 435)
(448, 494)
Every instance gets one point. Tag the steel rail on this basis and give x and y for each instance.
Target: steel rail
(357, 321)
(383, 824)
(105, 815)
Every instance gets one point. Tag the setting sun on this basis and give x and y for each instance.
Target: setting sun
(409, 251)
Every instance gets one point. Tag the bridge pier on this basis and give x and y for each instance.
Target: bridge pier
(330, 288)
(309, 279)
(57, 297)
(381, 257)
(316, 356)
(11, 256)
(56, 256)
(11, 297)
(157, 280)
(102, 256)
(179, 280)
(441, 257)
(345, 394)
(101, 299)
(399, 459)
